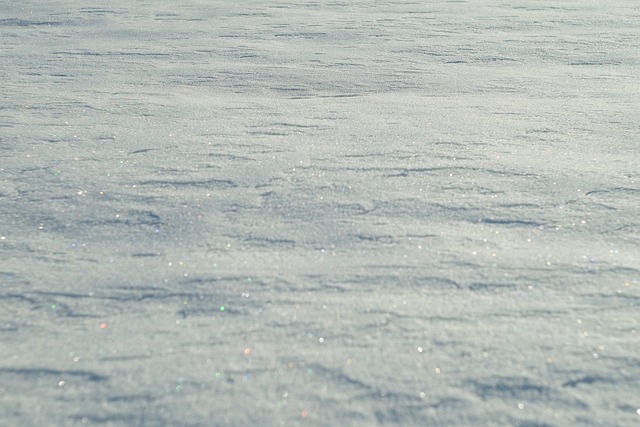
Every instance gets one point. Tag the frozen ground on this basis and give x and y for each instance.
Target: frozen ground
(348, 213)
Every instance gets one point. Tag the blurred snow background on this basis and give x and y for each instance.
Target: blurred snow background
(319, 213)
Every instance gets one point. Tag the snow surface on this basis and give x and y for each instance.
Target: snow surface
(340, 213)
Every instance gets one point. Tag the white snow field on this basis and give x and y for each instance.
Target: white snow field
(332, 213)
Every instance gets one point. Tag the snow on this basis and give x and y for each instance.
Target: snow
(319, 213)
